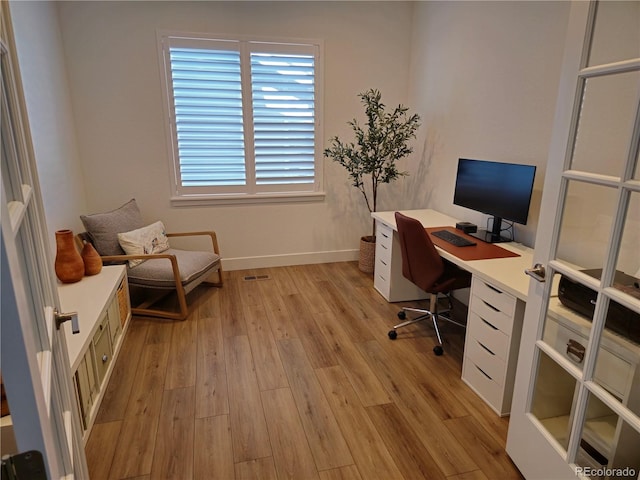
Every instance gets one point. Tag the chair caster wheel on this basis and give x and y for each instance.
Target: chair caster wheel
(438, 350)
(402, 315)
(393, 334)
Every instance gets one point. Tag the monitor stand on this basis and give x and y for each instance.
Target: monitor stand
(492, 236)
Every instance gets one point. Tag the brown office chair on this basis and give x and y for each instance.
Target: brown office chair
(423, 266)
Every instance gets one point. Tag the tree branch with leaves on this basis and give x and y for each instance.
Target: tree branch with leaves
(379, 144)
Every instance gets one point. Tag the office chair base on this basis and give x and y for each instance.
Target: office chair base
(424, 314)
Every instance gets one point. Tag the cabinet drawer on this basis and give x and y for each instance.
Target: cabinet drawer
(114, 321)
(488, 312)
(487, 334)
(612, 372)
(484, 358)
(102, 350)
(498, 299)
(381, 280)
(482, 383)
(384, 235)
(85, 395)
(383, 257)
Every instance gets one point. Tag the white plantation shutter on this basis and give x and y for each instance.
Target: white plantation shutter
(283, 118)
(207, 95)
(243, 116)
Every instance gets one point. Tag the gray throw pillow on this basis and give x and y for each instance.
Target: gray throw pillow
(104, 228)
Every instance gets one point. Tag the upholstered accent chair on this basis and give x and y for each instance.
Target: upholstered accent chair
(121, 236)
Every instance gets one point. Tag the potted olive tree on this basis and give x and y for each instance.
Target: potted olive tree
(371, 159)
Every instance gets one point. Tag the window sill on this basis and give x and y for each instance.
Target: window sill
(255, 199)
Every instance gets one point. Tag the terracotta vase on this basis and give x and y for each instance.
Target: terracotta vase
(68, 265)
(91, 259)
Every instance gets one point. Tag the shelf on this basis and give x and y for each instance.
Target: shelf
(600, 433)
(558, 428)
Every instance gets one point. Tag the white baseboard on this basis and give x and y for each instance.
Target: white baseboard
(245, 263)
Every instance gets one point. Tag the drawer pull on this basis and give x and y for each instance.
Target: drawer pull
(384, 246)
(482, 372)
(486, 349)
(488, 324)
(384, 235)
(575, 351)
(493, 288)
(383, 262)
(490, 306)
(105, 358)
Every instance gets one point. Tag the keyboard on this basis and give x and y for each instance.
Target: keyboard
(452, 238)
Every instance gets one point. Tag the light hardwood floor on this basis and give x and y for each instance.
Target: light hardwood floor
(293, 377)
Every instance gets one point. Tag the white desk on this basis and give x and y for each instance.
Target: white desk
(504, 273)
(496, 304)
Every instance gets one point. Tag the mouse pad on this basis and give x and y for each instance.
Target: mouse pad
(480, 251)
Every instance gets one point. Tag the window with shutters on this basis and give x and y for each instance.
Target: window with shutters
(244, 118)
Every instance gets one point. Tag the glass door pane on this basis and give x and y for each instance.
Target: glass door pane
(607, 117)
(616, 35)
(586, 225)
(553, 399)
(628, 262)
(608, 446)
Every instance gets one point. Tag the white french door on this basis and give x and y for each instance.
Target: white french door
(576, 405)
(35, 363)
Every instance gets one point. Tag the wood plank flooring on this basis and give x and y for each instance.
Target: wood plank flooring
(293, 377)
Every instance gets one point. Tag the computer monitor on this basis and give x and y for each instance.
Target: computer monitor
(502, 190)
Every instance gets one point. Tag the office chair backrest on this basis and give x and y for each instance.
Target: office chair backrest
(421, 262)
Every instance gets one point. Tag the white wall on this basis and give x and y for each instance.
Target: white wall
(114, 79)
(484, 77)
(44, 79)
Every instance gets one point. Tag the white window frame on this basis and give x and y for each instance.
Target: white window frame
(249, 193)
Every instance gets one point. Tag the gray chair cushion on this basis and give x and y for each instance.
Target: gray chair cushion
(103, 228)
(158, 273)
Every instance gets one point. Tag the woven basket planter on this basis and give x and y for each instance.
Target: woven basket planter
(367, 257)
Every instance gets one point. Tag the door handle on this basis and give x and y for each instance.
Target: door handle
(537, 272)
(65, 317)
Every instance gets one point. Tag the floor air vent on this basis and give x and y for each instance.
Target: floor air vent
(251, 278)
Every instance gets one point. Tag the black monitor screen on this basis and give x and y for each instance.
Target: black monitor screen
(502, 190)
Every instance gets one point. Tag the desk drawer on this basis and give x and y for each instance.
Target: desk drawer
(484, 358)
(495, 297)
(384, 242)
(383, 254)
(384, 235)
(482, 383)
(381, 281)
(488, 312)
(487, 334)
